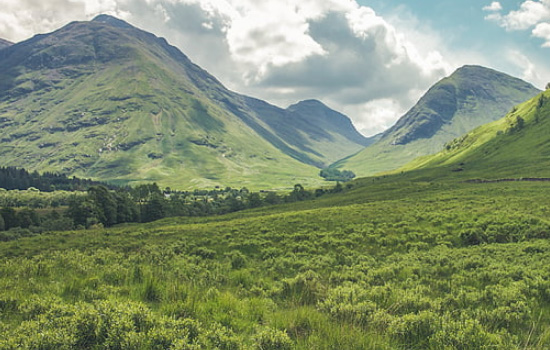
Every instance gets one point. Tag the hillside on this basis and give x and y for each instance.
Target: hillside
(107, 101)
(470, 97)
(390, 264)
(515, 146)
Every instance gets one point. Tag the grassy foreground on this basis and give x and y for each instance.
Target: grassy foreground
(393, 263)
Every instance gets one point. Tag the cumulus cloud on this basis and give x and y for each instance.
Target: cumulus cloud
(529, 14)
(279, 50)
(530, 71)
(534, 15)
(494, 7)
(542, 30)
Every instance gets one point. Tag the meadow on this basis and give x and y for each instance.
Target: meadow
(396, 262)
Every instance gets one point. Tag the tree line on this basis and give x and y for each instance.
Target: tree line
(12, 178)
(100, 206)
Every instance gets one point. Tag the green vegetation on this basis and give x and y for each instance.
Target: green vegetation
(20, 179)
(101, 207)
(107, 101)
(515, 146)
(470, 97)
(450, 252)
(332, 174)
(389, 263)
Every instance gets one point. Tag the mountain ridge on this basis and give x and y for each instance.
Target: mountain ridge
(471, 96)
(515, 146)
(5, 43)
(135, 108)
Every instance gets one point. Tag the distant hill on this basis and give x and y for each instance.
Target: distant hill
(470, 97)
(108, 101)
(516, 146)
(4, 43)
(328, 119)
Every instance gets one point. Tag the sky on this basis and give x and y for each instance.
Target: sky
(369, 59)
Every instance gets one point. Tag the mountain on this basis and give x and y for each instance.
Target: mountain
(108, 101)
(4, 44)
(516, 146)
(328, 119)
(470, 97)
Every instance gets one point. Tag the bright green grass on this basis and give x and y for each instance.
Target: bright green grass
(397, 262)
(480, 96)
(495, 150)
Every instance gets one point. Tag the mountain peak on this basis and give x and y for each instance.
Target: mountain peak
(4, 43)
(113, 21)
(316, 112)
(468, 98)
(310, 103)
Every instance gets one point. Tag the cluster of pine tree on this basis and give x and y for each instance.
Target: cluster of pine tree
(12, 178)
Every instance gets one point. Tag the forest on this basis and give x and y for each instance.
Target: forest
(31, 211)
(390, 263)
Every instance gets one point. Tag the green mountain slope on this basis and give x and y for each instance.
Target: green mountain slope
(470, 97)
(4, 44)
(515, 146)
(105, 100)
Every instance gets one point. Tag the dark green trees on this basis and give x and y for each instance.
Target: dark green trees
(332, 174)
(102, 206)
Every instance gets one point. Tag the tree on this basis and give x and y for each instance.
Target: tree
(254, 200)
(332, 174)
(127, 210)
(298, 194)
(10, 218)
(548, 86)
(27, 218)
(83, 211)
(154, 209)
(106, 204)
(272, 198)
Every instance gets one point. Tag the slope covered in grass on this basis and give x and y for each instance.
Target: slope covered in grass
(513, 147)
(470, 97)
(392, 263)
(105, 100)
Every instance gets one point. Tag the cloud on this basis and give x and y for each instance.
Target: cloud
(494, 7)
(530, 14)
(542, 30)
(530, 71)
(534, 15)
(280, 50)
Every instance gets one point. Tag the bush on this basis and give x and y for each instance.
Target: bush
(272, 339)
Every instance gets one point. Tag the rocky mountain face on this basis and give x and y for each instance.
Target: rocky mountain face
(106, 100)
(470, 97)
(513, 147)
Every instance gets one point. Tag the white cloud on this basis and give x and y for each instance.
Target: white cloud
(529, 69)
(542, 30)
(381, 114)
(494, 7)
(532, 14)
(529, 14)
(280, 50)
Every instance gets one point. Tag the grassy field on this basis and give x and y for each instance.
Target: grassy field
(393, 263)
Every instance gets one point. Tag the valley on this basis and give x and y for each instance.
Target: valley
(158, 209)
(392, 262)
